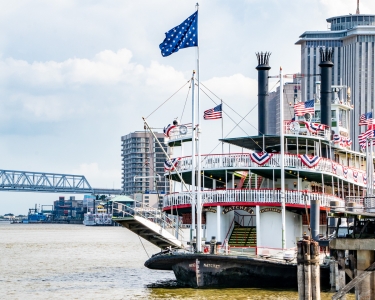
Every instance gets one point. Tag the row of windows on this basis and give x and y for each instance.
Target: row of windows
(351, 21)
(366, 38)
(324, 43)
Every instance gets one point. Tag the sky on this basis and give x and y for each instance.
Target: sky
(75, 76)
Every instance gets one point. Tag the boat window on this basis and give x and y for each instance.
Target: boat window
(342, 118)
(333, 113)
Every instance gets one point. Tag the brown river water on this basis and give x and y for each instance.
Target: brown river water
(58, 261)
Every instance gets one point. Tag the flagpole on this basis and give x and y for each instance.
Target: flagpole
(222, 128)
(199, 194)
(192, 230)
(282, 191)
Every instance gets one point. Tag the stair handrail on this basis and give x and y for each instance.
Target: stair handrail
(231, 225)
(149, 213)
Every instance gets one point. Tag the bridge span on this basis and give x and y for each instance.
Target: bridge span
(25, 181)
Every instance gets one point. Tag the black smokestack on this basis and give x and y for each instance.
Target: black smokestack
(263, 69)
(326, 65)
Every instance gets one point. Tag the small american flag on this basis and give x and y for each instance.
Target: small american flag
(362, 138)
(213, 113)
(365, 119)
(302, 108)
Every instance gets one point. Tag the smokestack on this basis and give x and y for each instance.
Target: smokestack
(263, 69)
(326, 65)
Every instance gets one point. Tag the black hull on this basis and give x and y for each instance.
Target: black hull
(231, 271)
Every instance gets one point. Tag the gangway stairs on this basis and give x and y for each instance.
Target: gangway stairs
(149, 223)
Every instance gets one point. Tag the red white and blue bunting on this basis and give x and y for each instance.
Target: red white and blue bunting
(345, 171)
(170, 165)
(260, 158)
(309, 161)
(167, 129)
(334, 168)
(315, 127)
(364, 178)
(355, 175)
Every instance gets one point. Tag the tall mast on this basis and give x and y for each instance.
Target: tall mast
(193, 157)
(199, 194)
(357, 11)
(282, 191)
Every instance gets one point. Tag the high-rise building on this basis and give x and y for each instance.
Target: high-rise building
(143, 163)
(292, 95)
(352, 38)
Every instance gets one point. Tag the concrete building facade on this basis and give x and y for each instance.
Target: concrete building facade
(142, 157)
(292, 94)
(352, 38)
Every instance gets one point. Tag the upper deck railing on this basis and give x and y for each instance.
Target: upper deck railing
(240, 161)
(266, 196)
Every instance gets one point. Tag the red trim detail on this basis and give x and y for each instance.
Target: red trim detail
(251, 204)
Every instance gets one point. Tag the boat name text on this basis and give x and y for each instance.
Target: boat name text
(238, 207)
(271, 209)
(211, 266)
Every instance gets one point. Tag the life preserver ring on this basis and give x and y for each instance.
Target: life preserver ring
(206, 249)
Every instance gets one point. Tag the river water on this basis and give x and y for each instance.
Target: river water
(58, 261)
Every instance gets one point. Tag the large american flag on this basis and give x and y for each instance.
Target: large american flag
(213, 113)
(365, 119)
(302, 108)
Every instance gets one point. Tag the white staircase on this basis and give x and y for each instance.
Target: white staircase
(149, 223)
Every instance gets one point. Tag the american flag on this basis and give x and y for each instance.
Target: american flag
(365, 119)
(362, 138)
(213, 113)
(302, 108)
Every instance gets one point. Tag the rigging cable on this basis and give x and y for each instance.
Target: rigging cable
(187, 96)
(167, 99)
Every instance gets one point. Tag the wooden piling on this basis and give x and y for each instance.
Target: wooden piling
(300, 271)
(340, 275)
(315, 270)
(307, 269)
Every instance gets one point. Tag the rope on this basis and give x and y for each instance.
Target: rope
(167, 99)
(143, 246)
(187, 96)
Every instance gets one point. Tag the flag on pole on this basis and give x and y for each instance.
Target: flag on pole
(182, 36)
(362, 138)
(365, 119)
(302, 108)
(213, 113)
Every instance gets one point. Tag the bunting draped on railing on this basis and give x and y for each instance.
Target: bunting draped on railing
(355, 175)
(170, 165)
(364, 178)
(334, 168)
(309, 160)
(260, 158)
(345, 171)
(315, 127)
(342, 140)
(168, 129)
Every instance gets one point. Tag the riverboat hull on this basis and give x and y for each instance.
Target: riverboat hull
(209, 271)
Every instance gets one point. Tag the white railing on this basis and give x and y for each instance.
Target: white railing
(248, 195)
(151, 214)
(243, 160)
(299, 128)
